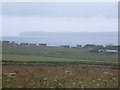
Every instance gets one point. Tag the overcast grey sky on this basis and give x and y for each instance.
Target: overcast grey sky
(59, 17)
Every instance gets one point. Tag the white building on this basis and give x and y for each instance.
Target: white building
(108, 51)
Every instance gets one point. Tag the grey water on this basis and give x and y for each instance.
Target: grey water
(65, 38)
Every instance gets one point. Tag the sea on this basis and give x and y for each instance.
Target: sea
(72, 40)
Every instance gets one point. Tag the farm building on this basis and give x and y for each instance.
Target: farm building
(14, 43)
(108, 51)
(32, 44)
(73, 47)
(78, 46)
(67, 46)
(102, 50)
(42, 44)
(24, 44)
(112, 51)
(4, 43)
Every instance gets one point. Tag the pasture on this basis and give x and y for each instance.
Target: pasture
(56, 54)
(58, 75)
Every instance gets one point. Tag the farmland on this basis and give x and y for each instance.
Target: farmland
(56, 54)
(54, 74)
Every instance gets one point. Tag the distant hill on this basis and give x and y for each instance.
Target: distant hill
(69, 34)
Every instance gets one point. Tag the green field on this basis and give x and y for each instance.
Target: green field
(55, 54)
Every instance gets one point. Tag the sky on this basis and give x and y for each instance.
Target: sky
(20, 17)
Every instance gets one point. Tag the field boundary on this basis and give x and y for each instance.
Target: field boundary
(54, 63)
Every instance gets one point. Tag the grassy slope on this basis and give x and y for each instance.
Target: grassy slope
(55, 53)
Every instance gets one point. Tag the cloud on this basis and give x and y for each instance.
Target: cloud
(16, 25)
(54, 9)
(52, 16)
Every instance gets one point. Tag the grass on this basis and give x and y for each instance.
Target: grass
(58, 77)
(40, 58)
(55, 53)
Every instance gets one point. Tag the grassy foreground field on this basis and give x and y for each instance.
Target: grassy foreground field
(63, 76)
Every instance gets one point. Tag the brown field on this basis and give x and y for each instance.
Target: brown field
(61, 76)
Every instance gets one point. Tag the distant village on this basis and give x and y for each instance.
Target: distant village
(89, 47)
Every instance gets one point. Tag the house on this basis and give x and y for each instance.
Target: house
(14, 43)
(67, 46)
(5, 43)
(24, 44)
(89, 47)
(42, 44)
(32, 44)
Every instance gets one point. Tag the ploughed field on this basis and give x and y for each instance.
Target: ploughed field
(56, 54)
